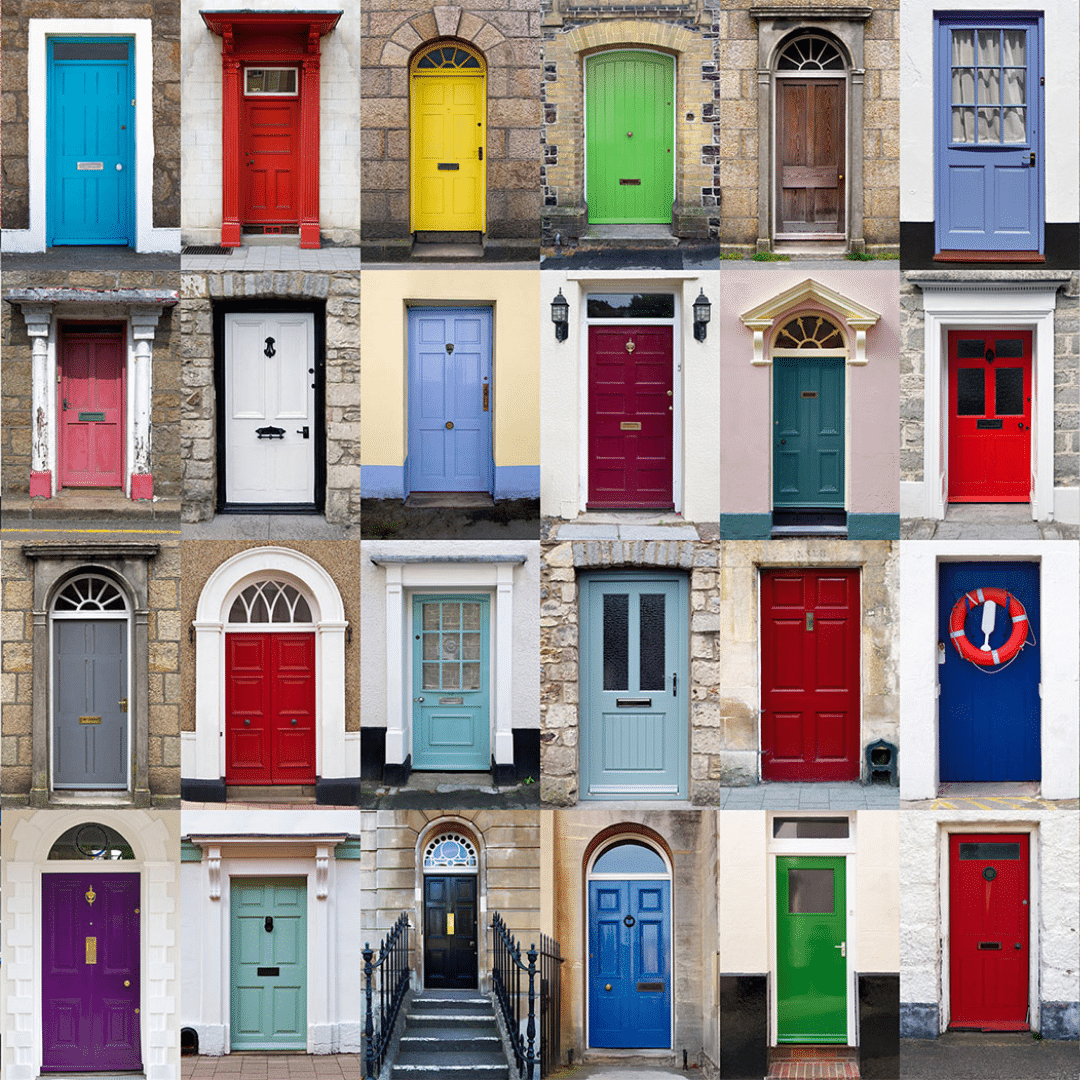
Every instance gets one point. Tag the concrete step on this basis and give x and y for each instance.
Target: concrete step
(426, 1040)
(473, 1020)
(73, 504)
(451, 1033)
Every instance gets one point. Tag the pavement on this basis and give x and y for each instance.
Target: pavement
(993, 797)
(23, 531)
(449, 791)
(249, 1065)
(683, 257)
(987, 521)
(773, 796)
(622, 1072)
(966, 1055)
(105, 257)
(507, 519)
(268, 527)
(259, 257)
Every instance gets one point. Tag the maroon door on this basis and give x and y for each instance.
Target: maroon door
(630, 417)
(270, 709)
(269, 167)
(810, 156)
(91, 408)
(90, 972)
(988, 931)
(810, 674)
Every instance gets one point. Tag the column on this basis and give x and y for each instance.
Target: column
(38, 318)
(143, 328)
(230, 145)
(309, 145)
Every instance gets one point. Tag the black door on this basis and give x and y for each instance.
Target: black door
(450, 932)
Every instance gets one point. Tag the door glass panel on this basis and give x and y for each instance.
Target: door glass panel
(90, 50)
(653, 667)
(451, 677)
(970, 392)
(628, 857)
(971, 348)
(805, 828)
(431, 616)
(810, 892)
(616, 641)
(431, 646)
(1009, 348)
(431, 676)
(470, 616)
(270, 81)
(470, 647)
(470, 676)
(990, 850)
(1009, 391)
(90, 840)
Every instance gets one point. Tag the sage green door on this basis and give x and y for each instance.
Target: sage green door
(811, 949)
(629, 137)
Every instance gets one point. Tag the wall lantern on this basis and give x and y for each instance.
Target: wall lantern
(702, 314)
(560, 316)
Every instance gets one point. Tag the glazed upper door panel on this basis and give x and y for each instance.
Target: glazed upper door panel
(91, 409)
(270, 147)
(450, 932)
(989, 147)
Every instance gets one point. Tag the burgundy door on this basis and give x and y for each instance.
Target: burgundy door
(630, 417)
(91, 408)
(90, 972)
(269, 166)
(810, 156)
(810, 674)
(270, 708)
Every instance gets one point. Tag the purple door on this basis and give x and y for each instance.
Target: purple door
(90, 972)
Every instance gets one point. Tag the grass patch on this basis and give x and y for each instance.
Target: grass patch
(770, 256)
(860, 256)
(731, 255)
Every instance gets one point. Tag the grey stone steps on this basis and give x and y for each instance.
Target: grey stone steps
(451, 1034)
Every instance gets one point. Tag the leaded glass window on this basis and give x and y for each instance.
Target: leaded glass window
(810, 53)
(447, 56)
(450, 851)
(270, 602)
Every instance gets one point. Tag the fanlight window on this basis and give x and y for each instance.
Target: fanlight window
(270, 602)
(90, 840)
(810, 53)
(629, 857)
(451, 851)
(90, 592)
(806, 332)
(447, 56)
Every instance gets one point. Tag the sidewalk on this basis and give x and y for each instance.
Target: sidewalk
(969, 1055)
(283, 1066)
(986, 521)
(851, 796)
(449, 791)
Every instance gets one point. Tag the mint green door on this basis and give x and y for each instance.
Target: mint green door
(269, 963)
(629, 137)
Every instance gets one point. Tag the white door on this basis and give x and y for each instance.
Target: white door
(270, 408)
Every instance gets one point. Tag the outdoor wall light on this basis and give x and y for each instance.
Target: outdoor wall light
(702, 314)
(560, 316)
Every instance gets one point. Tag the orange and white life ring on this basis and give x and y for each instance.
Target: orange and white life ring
(984, 656)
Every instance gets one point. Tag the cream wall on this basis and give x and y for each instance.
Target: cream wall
(743, 911)
(877, 876)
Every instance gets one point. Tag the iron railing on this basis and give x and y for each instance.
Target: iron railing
(386, 978)
(508, 973)
(550, 1003)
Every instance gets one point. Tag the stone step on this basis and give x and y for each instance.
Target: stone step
(432, 1039)
(449, 999)
(439, 1018)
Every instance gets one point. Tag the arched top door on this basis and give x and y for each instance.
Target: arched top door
(451, 912)
(811, 52)
(808, 333)
(91, 840)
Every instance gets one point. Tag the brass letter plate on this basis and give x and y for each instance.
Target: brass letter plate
(809, 393)
(451, 701)
(89, 719)
(630, 425)
(449, 924)
(91, 950)
(89, 166)
(650, 987)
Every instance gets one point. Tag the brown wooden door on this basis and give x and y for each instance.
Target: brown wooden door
(810, 157)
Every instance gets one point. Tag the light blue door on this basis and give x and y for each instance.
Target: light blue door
(989, 148)
(451, 696)
(90, 141)
(450, 400)
(634, 685)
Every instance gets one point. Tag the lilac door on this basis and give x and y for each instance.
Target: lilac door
(90, 972)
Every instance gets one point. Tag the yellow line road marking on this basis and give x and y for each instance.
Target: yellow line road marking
(155, 532)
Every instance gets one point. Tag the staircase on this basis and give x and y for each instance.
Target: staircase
(813, 1063)
(451, 1033)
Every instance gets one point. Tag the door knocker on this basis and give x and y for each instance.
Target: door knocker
(989, 873)
(630, 346)
(269, 351)
(629, 920)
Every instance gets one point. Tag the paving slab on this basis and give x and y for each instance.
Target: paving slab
(268, 527)
(962, 1055)
(105, 257)
(247, 1065)
(258, 257)
(807, 796)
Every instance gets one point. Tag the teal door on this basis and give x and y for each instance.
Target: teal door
(451, 697)
(269, 964)
(634, 686)
(808, 432)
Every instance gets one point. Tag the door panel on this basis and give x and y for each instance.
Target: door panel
(989, 724)
(450, 932)
(91, 409)
(810, 682)
(990, 416)
(269, 963)
(630, 964)
(810, 156)
(90, 992)
(630, 135)
(989, 953)
(270, 169)
(631, 399)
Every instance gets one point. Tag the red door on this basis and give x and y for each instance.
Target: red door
(988, 931)
(91, 408)
(270, 709)
(269, 166)
(810, 622)
(989, 416)
(630, 417)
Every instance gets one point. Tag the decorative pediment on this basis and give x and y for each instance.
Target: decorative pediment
(257, 26)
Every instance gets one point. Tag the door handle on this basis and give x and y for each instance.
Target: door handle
(842, 947)
(268, 924)
(418, 699)
(783, 442)
(1020, 424)
(674, 684)
(66, 406)
(123, 704)
(607, 986)
(1031, 160)
(293, 721)
(305, 431)
(479, 153)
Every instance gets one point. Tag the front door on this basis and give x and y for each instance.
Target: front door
(988, 931)
(91, 407)
(270, 708)
(269, 147)
(990, 193)
(450, 932)
(631, 417)
(810, 709)
(629, 137)
(270, 417)
(989, 717)
(90, 151)
(811, 949)
(810, 157)
(450, 400)
(90, 703)
(634, 686)
(268, 933)
(90, 993)
(630, 964)
(808, 432)
(990, 416)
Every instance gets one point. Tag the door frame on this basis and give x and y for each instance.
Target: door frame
(270, 307)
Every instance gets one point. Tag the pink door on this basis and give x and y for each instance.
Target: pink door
(91, 407)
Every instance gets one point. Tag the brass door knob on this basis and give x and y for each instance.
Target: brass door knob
(127, 982)
(607, 986)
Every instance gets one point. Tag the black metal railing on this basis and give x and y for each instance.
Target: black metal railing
(386, 978)
(550, 1003)
(508, 974)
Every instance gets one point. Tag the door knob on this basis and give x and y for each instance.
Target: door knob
(120, 168)
(1020, 424)
(449, 425)
(123, 704)
(839, 176)
(293, 721)
(783, 442)
(247, 723)
(305, 431)
(1017, 945)
(607, 986)
(418, 699)
(127, 982)
(629, 134)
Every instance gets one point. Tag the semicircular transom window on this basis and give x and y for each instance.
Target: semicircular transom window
(450, 851)
(627, 858)
(270, 602)
(809, 332)
(810, 53)
(91, 840)
(447, 56)
(90, 592)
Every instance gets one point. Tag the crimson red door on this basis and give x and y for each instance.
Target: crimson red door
(631, 415)
(270, 708)
(91, 407)
(989, 416)
(988, 931)
(269, 167)
(810, 622)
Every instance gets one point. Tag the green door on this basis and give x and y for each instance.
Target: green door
(811, 950)
(269, 964)
(630, 137)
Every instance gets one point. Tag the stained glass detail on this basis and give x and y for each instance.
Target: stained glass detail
(810, 53)
(447, 56)
(450, 851)
(90, 592)
(809, 332)
(270, 602)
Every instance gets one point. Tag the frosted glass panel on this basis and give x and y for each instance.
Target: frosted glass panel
(653, 668)
(616, 641)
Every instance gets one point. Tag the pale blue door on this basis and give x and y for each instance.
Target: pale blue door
(450, 400)
(451, 697)
(90, 141)
(634, 685)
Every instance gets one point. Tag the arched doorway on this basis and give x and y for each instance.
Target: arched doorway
(451, 916)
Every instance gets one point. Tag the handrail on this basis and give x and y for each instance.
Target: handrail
(506, 981)
(392, 969)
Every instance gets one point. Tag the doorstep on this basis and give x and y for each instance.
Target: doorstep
(813, 1063)
(75, 503)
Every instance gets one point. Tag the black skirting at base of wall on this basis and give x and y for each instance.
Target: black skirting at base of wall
(374, 768)
(1061, 248)
(744, 1026)
(202, 790)
(879, 1026)
(338, 791)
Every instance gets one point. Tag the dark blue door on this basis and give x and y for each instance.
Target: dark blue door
(90, 141)
(989, 717)
(989, 134)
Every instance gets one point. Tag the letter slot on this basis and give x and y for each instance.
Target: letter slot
(989, 945)
(633, 703)
(269, 971)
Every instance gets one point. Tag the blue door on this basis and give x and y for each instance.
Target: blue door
(90, 140)
(990, 192)
(989, 717)
(451, 697)
(450, 400)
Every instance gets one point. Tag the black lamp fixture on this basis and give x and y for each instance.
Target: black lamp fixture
(560, 316)
(702, 314)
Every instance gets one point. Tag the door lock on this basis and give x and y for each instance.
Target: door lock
(293, 721)
(809, 620)
(1031, 160)
(123, 704)
(479, 153)
(305, 431)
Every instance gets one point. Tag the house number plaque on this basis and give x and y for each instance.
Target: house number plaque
(449, 924)
(91, 950)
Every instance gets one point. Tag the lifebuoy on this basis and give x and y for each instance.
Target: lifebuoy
(1013, 609)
